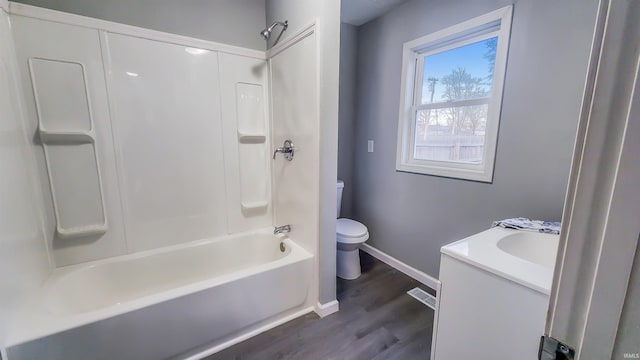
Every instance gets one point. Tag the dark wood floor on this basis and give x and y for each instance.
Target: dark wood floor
(377, 320)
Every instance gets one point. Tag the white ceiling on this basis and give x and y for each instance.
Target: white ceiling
(358, 12)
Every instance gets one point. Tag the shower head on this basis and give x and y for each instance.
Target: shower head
(266, 33)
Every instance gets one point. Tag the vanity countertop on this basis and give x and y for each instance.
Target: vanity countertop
(527, 258)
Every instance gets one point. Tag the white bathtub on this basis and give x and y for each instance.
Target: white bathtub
(192, 297)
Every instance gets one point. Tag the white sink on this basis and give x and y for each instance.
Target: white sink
(537, 248)
(526, 257)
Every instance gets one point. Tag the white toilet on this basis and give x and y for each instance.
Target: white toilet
(350, 234)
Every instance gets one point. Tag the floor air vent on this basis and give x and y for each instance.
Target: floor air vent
(424, 297)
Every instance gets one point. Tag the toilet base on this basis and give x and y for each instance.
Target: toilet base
(348, 264)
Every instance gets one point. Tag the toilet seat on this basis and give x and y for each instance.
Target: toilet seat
(350, 231)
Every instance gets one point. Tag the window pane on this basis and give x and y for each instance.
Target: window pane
(465, 72)
(455, 134)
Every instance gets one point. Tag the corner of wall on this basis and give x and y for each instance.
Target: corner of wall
(4, 5)
(347, 116)
(326, 309)
(326, 14)
(329, 29)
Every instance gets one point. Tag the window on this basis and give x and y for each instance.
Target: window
(451, 96)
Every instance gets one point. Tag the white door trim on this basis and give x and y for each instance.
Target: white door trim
(601, 218)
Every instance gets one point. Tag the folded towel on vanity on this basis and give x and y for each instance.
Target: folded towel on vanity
(549, 227)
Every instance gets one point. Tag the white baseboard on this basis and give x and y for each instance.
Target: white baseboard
(427, 280)
(327, 309)
(219, 347)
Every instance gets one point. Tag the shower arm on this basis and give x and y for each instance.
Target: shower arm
(284, 25)
(266, 33)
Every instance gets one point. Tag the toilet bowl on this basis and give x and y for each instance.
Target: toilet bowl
(350, 234)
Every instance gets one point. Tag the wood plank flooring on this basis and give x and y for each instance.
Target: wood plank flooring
(377, 320)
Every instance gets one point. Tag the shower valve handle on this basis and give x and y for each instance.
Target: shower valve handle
(287, 149)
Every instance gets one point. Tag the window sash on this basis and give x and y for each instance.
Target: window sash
(419, 72)
(450, 104)
(433, 106)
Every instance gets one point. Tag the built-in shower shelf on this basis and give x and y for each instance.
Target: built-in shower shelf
(65, 129)
(65, 137)
(83, 231)
(244, 138)
(251, 128)
(254, 206)
(72, 167)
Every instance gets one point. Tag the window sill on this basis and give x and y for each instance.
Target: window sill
(480, 175)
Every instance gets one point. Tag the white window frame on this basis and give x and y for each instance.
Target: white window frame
(494, 24)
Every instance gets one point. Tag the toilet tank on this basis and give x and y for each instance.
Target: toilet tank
(339, 193)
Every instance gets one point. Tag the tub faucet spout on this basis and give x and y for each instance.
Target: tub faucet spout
(281, 229)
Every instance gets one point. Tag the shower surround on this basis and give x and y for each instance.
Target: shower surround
(154, 186)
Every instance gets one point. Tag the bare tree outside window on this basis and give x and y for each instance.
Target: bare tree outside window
(459, 84)
(451, 131)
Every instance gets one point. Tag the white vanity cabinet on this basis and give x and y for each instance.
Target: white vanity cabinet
(492, 304)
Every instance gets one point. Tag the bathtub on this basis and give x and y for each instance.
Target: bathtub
(168, 303)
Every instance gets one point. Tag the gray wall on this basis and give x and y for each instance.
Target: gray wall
(347, 114)
(235, 22)
(411, 216)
